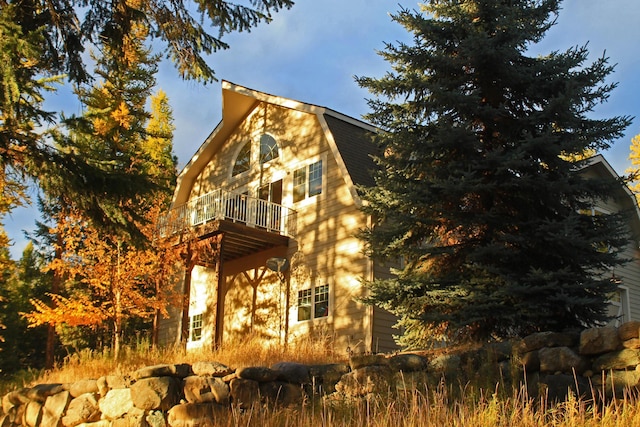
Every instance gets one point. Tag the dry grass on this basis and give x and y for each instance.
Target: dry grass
(438, 407)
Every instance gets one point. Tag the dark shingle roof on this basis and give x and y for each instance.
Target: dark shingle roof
(355, 145)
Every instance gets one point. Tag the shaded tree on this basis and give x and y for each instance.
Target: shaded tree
(40, 40)
(478, 191)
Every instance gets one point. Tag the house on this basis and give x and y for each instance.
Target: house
(270, 198)
(273, 189)
(625, 303)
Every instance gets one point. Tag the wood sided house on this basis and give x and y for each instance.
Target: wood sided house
(273, 190)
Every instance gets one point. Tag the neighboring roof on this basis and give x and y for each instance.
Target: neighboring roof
(624, 195)
(348, 138)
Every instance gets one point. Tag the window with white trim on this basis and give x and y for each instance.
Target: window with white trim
(619, 305)
(243, 160)
(307, 181)
(195, 327)
(313, 303)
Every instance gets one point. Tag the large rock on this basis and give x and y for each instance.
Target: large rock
(81, 387)
(244, 393)
(408, 362)
(325, 377)
(366, 380)
(195, 415)
(40, 392)
(556, 388)
(82, 409)
(411, 381)
(530, 361)
(629, 330)
(206, 389)
(32, 414)
(156, 393)
(547, 339)
(281, 393)
(290, 372)
(116, 403)
(181, 370)
(257, 373)
(360, 361)
(599, 340)
(111, 382)
(54, 408)
(213, 369)
(561, 359)
(623, 359)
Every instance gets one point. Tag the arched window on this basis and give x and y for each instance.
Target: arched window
(243, 160)
(268, 148)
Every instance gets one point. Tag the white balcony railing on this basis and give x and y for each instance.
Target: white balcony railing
(221, 204)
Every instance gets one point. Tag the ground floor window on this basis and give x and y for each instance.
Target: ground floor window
(195, 327)
(313, 303)
(619, 306)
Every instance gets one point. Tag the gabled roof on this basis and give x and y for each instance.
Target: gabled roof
(599, 165)
(348, 138)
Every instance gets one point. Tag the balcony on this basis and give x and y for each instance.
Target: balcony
(248, 223)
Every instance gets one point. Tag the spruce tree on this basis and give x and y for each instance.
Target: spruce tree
(478, 188)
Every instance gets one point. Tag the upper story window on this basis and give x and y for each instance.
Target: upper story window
(268, 148)
(307, 181)
(243, 160)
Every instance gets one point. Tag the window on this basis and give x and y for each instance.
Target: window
(268, 148)
(243, 160)
(195, 327)
(307, 181)
(313, 303)
(619, 305)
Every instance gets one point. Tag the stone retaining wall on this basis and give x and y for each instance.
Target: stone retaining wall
(597, 362)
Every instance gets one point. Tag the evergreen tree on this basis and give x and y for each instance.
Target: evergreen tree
(478, 189)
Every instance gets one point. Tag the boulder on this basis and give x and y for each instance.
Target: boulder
(325, 377)
(281, 393)
(561, 359)
(194, 415)
(408, 362)
(633, 343)
(410, 381)
(32, 414)
(40, 392)
(290, 372)
(81, 387)
(156, 419)
(618, 360)
(556, 388)
(213, 369)
(257, 373)
(599, 340)
(360, 361)
(110, 382)
(629, 330)
(116, 403)
(244, 393)
(54, 408)
(530, 361)
(82, 409)
(547, 339)
(156, 393)
(181, 370)
(366, 380)
(206, 389)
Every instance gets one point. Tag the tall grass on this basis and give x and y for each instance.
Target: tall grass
(437, 405)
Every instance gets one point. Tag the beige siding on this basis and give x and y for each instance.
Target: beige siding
(325, 249)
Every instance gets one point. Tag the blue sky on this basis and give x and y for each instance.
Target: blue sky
(312, 52)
